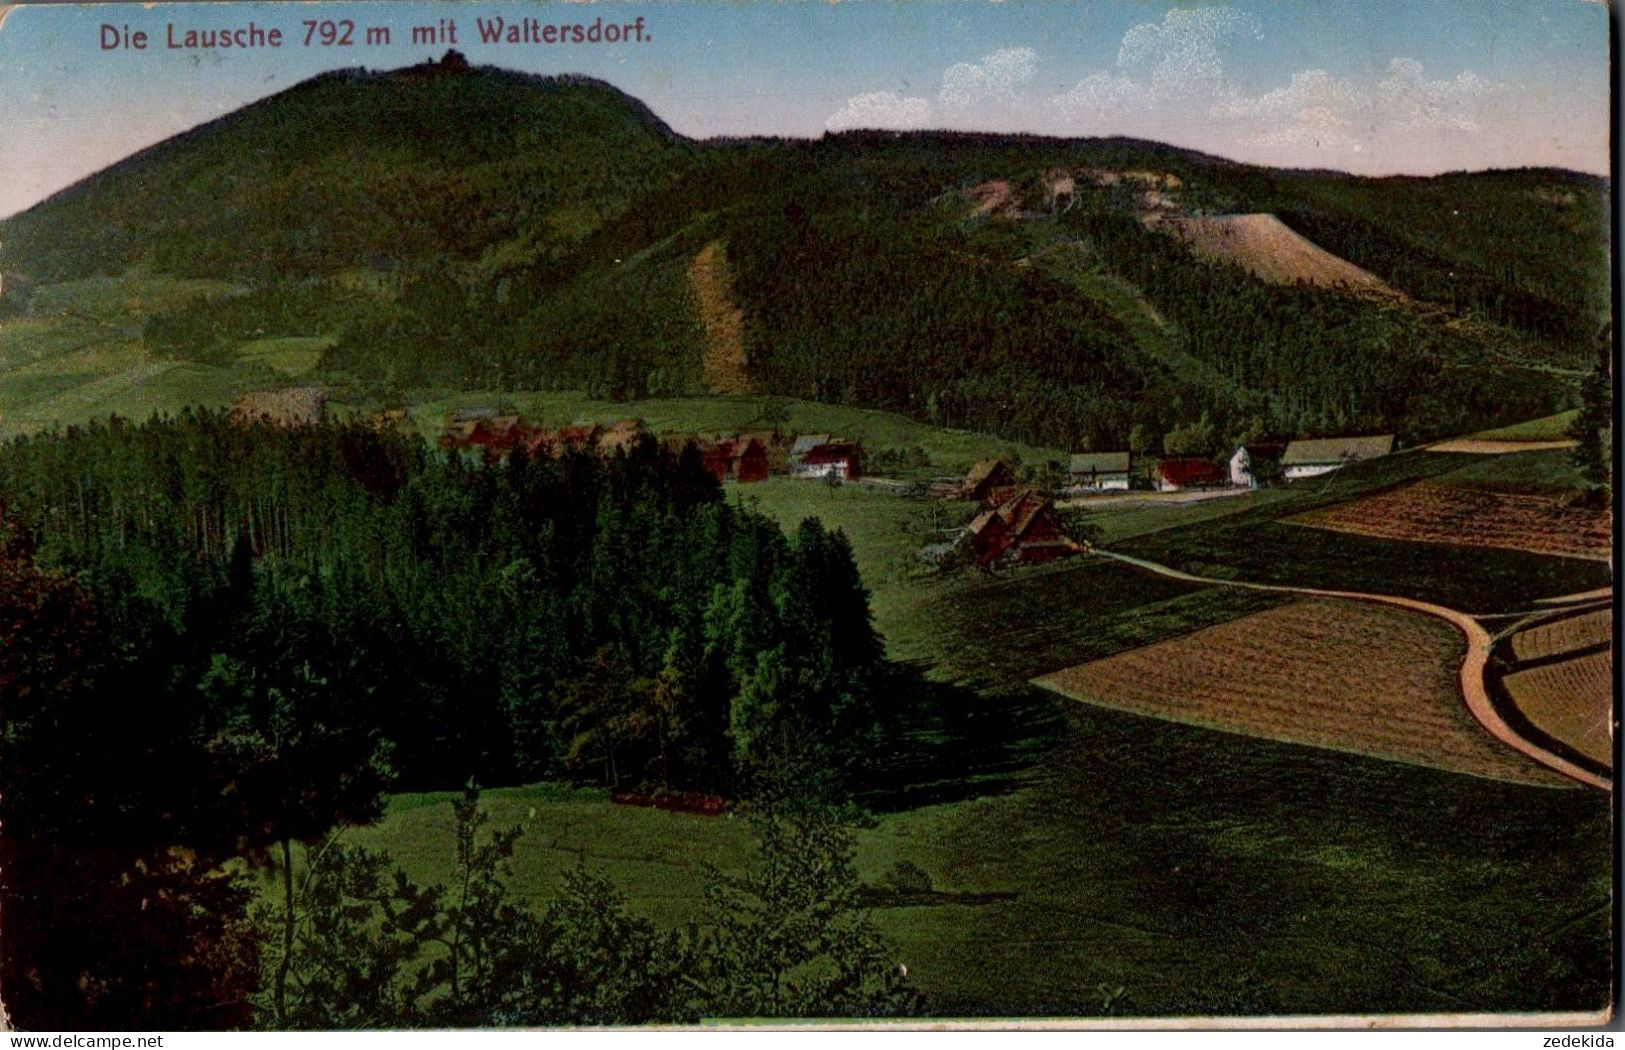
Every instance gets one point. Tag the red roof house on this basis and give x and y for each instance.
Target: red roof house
(1185, 472)
(1024, 530)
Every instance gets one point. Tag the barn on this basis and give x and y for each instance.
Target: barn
(1024, 530)
(750, 460)
(1187, 472)
(1311, 458)
(985, 477)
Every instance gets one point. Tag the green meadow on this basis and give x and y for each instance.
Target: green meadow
(1089, 862)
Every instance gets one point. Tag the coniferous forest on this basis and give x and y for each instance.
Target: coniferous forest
(226, 641)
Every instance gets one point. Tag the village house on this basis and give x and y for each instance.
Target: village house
(822, 456)
(1311, 458)
(494, 435)
(750, 459)
(577, 437)
(985, 477)
(1177, 473)
(1247, 460)
(1024, 530)
(743, 458)
(774, 449)
(734, 459)
(1099, 471)
(802, 445)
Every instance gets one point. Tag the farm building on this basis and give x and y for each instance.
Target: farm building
(985, 477)
(1248, 457)
(578, 437)
(1024, 530)
(821, 456)
(750, 459)
(1099, 470)
(1187, 472)
(288, 407)
(773, 447)
(734, 459)
(493, 436)
(1310, 458)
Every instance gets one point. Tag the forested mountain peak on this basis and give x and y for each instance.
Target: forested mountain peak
(451, 226)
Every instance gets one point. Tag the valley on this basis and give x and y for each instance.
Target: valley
(1253, 744)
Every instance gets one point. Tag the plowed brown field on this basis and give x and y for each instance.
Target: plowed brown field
(1431, 512)
(1344, 675)
(1563, 636)
(1572, 701)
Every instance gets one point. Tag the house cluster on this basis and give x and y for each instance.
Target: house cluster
(1248, 467)
(495, 434)
(738, 457)
(1017, 525)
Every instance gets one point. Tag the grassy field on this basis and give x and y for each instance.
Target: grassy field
(1544, 472)
(1136, 519)
(292, 356)
(1547, 428)
(1255, 544)
(886, 530)
(78, 355)
(1074, 850)
(1202, 872)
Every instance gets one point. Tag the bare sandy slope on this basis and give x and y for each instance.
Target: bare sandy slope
(1267, 248)
(995, 197)
(725, 364)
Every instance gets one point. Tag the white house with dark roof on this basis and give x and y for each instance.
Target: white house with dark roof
(1098, 470)
(1316, 456)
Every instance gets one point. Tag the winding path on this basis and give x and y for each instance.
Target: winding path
(1472, 666)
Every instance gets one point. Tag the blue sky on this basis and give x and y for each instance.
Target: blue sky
(1375, 86)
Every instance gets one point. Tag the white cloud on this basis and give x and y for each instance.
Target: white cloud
(1164, 63)
(1181, 54)
(1097, 96)
(1315, 110)
(1320, 112)
(1408, 98)
(1170, 83)
(995, 78)
(882, 110)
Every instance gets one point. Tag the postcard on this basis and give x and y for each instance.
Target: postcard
(532, 514)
